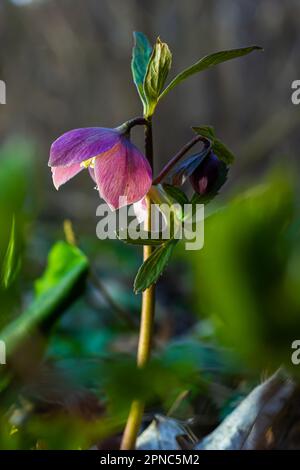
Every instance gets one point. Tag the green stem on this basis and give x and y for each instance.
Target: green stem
(146, 327)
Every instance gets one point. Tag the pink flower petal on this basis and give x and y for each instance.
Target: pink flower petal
(92, 173)
(122, 172)
(61, 175)
(140, 209)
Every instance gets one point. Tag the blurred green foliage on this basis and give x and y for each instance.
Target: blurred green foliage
(247, 277)
(16, 210)
(62, 346)
(70, 354)
(60, 285)
(245, 281)
(11, 261)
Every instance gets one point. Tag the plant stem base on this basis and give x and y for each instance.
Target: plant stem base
(133, 425)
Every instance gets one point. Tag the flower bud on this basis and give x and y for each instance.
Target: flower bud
(209, 175)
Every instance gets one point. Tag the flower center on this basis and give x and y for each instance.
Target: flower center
(88, 163)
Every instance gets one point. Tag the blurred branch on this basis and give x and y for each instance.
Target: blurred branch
(69, 232)
(121, 312)
(180, 398)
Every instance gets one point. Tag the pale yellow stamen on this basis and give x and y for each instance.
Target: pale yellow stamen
(88, 163)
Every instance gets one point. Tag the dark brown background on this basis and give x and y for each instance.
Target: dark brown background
(66, 64)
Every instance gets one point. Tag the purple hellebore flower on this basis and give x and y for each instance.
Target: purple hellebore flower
(207, 175)
(119, 169)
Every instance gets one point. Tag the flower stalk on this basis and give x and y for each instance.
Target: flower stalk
(127, 126)
(147, 320)
(170, 165)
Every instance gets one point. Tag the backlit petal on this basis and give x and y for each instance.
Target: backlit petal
(122, 172)
(92, 173)
(61, 175)
(140, 209)
(81, 144)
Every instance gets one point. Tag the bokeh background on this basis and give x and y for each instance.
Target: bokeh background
(66, 64)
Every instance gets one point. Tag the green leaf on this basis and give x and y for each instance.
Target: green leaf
(11, 263)
(144, 238)
(141, 54)
(220, 149)
(176, 194)
(153, 267)
(223, 152)
(56, 289)
(207, 62)
(206, 131)
(157, 71)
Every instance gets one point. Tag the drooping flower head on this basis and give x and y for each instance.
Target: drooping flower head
(207, 176)
(205, 171)
(119, 169)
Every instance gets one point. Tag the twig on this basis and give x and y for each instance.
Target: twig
(170, 165)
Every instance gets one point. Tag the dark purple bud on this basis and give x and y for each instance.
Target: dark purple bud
(208, 176)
